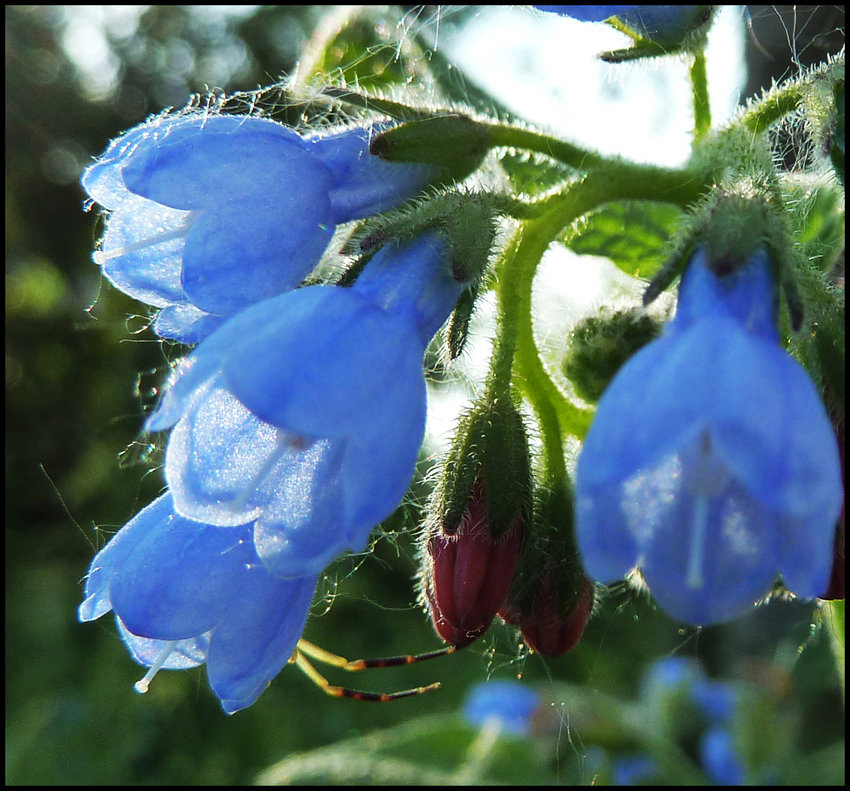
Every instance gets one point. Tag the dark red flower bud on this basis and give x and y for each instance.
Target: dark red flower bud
(548, 629)
(471, 572)
(551, 598)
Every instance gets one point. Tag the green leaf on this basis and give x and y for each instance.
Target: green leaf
(633, 234)
(531, 174)
(441, 750)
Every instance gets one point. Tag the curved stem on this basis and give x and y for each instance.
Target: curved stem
(528, 139)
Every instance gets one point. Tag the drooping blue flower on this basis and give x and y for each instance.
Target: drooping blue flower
(303, 414)
(186, 594)
(509, 703)
(711, 463)
(209, 214)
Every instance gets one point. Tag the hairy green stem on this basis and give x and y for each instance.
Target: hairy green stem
(699, 90)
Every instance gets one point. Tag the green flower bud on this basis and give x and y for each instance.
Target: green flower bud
(454, 142)
(601, 344)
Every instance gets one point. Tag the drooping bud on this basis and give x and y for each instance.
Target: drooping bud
(471, 572)
(601, 344)
(454, 142)
(552, 598)
(476, 521)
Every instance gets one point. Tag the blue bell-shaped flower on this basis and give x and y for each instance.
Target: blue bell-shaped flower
(304, 414)
(209, 214)
(186, 594)
(711, 463)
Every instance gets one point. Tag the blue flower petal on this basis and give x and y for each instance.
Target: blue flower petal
(185, 323)
(179, 654)
(413, 279)
(142, 248)
(198, 161)
(321, 366)
(180, 580)
(381, 457)
(770, 424)
(748, 296)
(253, 644)
(109, 561)
(218, 456)
(586, 13)
(365, 184)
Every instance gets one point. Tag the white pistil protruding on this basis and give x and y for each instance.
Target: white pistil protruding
(100, 257)
(143, 684)
(694, 578)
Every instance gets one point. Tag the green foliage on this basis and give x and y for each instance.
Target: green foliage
(633, 234)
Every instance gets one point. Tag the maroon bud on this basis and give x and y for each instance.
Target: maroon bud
(547, 628)
(471, 573)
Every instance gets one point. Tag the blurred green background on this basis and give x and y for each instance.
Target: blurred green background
(78, 377)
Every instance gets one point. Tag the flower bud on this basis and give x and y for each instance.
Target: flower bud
(550, 629)
(470, 573)
(552, 597)
(454, 142)
(601, 344)
(476, 522)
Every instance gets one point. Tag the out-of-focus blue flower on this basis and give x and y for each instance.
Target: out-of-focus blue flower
(715, 699)
(660, 23)
(633, 770)
(209, 214)
(711, 463)
(186, 594)
(720, 758)
(303, 414)
(669, 674)
(510, 703)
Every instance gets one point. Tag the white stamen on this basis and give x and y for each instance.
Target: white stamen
(285, 442)
(143, 684)
(694, 578)
(100, 257)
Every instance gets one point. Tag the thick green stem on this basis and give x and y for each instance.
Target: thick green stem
(699, 89)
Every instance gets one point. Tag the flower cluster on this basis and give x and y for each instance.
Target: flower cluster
(710, 468)
(282, 453)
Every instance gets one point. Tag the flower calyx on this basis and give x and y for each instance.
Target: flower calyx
(730, 225)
